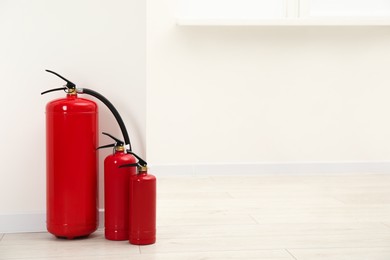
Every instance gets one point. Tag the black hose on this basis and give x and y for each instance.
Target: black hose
(113, 111)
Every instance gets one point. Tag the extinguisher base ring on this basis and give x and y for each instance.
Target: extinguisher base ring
(116, 235)
(143, 238)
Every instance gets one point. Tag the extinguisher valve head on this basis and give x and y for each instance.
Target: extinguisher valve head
(71, 91)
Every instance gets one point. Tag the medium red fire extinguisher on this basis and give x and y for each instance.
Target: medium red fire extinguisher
(71, 164)
(116, 191)
(142, 199)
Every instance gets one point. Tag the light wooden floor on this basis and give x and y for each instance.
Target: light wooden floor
(262, 217)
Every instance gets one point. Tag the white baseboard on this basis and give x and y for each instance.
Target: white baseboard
(30, 222)
(36, 222)
(22, 222)
(270, 168)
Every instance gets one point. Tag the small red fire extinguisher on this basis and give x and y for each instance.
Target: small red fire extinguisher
(116, 191)
(142, 199)
(71, 164)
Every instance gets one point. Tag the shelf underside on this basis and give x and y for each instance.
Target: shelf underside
(285, 22)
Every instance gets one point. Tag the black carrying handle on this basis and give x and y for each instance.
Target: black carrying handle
(106, 146)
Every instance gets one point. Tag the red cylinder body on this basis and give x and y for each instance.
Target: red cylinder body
(71, 167)
(142, 209)
(116, 194)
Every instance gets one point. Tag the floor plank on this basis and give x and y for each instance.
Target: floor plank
(365, 253)
(44, 245)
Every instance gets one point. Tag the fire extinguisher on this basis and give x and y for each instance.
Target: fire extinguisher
(142, 214)
(71, 160)
(116, 190)
(71, 164)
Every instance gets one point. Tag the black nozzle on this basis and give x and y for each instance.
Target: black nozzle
(51, 90)
(129, 165)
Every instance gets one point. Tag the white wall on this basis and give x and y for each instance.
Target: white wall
(96, 44)
(265, 94)
(215, 94)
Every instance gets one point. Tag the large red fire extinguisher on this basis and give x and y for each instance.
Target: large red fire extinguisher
(142, 199)
(116, 191)
(71, 161)
(71, 164)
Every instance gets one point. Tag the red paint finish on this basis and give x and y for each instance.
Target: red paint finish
(142, 209)
(116, 195)
(71, 167)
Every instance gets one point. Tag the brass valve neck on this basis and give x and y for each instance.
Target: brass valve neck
(120, 148)
(142, 168)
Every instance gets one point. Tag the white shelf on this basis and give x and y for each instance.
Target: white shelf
(331, 21)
